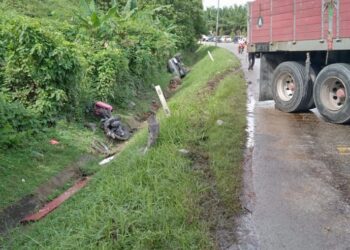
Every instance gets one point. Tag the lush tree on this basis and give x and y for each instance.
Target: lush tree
(186, 17)
(233, 20)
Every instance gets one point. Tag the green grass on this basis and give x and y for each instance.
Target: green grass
(226, 142)
(23, 169)
(154, 201)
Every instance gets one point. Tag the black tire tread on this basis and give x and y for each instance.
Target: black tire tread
(343, 115)
(297, 103)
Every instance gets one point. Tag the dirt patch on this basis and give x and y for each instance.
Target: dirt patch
(12, 215)
(220, 219)
(213, 83)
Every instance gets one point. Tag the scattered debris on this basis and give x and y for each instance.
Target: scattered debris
(162, 100)
(219, 122)
(49, 207)
(54, 142)
(132, 123)
(174, 83)
(154, 106)
(107, 160)
(100, 147)
(37, 155)
(184, 151)
(131, 105)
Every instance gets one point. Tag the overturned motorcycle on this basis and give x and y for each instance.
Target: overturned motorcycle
(112, 125)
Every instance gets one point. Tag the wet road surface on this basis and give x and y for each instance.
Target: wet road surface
(297, 178)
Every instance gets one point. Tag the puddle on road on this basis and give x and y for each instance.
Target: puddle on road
(245, 227)
(250, 118)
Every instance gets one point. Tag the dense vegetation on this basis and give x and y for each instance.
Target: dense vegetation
(164, 199)
(57, 57)
(233, 20)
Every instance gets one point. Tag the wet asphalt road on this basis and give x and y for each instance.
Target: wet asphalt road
(297, 183)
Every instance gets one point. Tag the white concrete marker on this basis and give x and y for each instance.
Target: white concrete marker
(162, 100)
(211, 56)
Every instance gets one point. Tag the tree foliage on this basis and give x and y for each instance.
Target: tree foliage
(233, 20)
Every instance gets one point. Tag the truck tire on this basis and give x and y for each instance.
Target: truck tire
(290, 92)
(313, 75)
(332, 93)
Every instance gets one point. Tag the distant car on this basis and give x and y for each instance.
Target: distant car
(226, 39)
(205, 38)
(214, 39)
(209, 38)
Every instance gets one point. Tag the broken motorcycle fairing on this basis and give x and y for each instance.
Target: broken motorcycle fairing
(115, 129)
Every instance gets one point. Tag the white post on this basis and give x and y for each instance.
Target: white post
(217, 24)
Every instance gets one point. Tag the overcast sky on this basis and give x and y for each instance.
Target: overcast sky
(223, 3)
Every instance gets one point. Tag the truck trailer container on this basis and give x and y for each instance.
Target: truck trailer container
(304, 47)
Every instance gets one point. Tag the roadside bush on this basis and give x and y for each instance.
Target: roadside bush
(16, 124)
(40, 69)
(108, 73)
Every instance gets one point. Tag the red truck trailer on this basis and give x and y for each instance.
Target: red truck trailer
(305, 54)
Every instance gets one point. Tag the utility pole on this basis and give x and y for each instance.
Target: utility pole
(217, 24)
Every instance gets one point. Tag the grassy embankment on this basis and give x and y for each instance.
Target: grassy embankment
(25, 167)
(156, 201)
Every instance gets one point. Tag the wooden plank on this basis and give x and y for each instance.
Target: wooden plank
(55, 203)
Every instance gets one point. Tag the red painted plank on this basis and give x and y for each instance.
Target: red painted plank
(310, 20)
(49, 207)
(281, 25)
(282, 17)
(303, 5)
(308, 36)
(283, 38)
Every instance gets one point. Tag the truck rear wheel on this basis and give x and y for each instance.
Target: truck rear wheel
(290, 90)
(313, 75)
(332, 93)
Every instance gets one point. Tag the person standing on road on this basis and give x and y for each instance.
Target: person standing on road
(251, 58)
